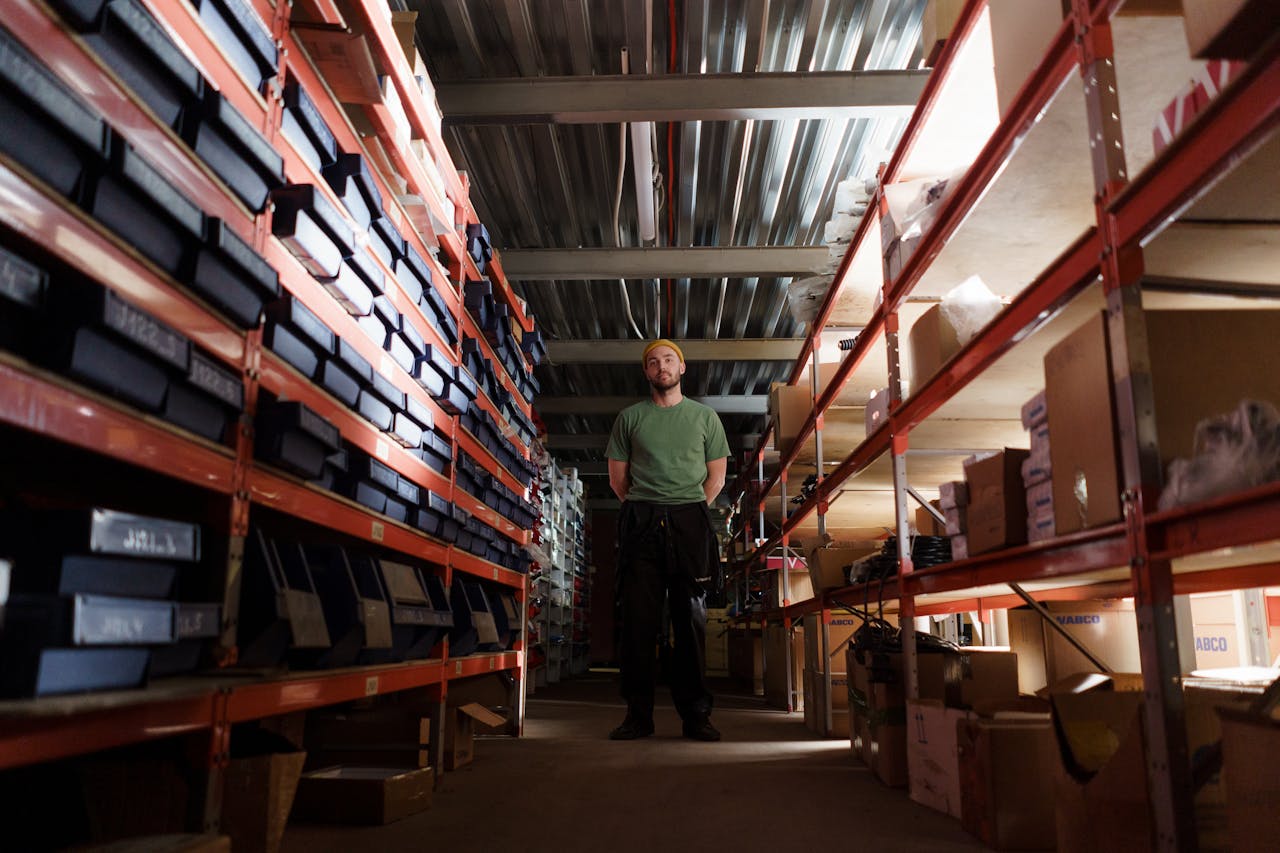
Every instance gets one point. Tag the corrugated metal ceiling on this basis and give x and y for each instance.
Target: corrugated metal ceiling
(736, 183)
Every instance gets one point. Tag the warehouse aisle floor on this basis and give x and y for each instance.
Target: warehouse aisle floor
(564, 787)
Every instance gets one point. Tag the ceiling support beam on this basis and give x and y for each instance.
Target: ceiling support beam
(665, 262)
(720, 349)
(729, 404)
(609, 99)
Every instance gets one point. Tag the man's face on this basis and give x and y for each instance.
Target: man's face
(663, 368)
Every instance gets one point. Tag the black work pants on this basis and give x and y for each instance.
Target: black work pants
(664, 551)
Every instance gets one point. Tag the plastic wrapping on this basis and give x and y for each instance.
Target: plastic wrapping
(853, 195)
(968, 307)
(1233, 451)
(805, 295)
(841, 227)
(923, 209)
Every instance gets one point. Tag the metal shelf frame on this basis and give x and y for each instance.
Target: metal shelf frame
(39, 403)
(1144, 545)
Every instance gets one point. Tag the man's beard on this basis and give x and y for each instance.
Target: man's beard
(659, 385)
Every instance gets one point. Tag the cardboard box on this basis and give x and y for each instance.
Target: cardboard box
(775, 668)
(257, 796)
(954, 493)
(1102, 801)
(459, 733)
(1035, 412)
(978, 676)
(939, 18)
(827, 566)
(1227, 29)
(933, 763)
(1108, 627)
(789, 407)
(404, 24)
(877, 410)
(371, 796)
(957, 521)
(931, 342)
(1021, 31)
(746, 662)
(815, 710)
(800, 582)
(1250, 752)
(390, 736)
(840, 630)
(1007, 770)
(717, 642)
(926, 524)
(1187, 349)
(959, 548)
(997, 513)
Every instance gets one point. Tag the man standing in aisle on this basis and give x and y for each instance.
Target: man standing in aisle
(667, 460)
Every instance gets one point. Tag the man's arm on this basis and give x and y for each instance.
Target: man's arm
(620, 477)
(715, 478)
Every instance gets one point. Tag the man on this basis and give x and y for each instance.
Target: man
(667, 460)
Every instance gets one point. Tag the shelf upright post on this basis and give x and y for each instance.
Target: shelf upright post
(760, 474)
(824, 614)
(1168, 762)
(902, 516)
(817, 435)
(786, 594)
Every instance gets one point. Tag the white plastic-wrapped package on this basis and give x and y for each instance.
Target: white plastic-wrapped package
(1233, 451)
(804, 296)
(852, 193)
(969, 306)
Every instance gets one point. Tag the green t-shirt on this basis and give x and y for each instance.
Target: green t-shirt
(668, 449)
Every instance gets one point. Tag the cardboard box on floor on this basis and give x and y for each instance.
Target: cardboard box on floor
(775, 671)
(1250, 752)
(1203, 363)
(1101, 793)
(997, 512)
(717, 642)
(1007, 768)
(746, 663)
(257, 795)
(363, 795)
(933, 763)
(1108, 627)
(386, 736)
(815, 709)
(459, 732)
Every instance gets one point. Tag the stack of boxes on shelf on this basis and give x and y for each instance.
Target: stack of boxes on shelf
(565, 581)
(953, 499)
(1036, 471)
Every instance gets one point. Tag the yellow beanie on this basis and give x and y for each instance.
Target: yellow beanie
(660, 342)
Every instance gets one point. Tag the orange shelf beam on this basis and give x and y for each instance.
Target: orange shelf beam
(316, 690)
(282, 493)
(481, 568)
(49, 407)
(483, 663)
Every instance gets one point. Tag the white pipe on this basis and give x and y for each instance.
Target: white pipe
(642, 168)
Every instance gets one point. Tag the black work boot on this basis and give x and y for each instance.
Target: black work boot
(632, 728)
(701, 729)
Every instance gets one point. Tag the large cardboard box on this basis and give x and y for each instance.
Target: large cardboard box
(926, 524)
(717, 647)
(1007, 769)
(1108, 627)
(1021, 32)
(1188, 351)
(827, 566)
(775, 667)
(815, 709)
(840, 630)
(789, 407)
(390, 736)
(746, 663)
(1228, 29)
(257, 795)
(1102, 800)
(997, 513)
(933, 763)
(939, 18)
(363, 795)
(977, 676)
(1250, 752)
(931, 343)
(459, 733)
(801, 587)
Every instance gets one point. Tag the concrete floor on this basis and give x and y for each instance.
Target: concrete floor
(564, 787)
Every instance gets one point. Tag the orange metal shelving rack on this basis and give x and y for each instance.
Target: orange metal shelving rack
(1241, 118)
(34, 731)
